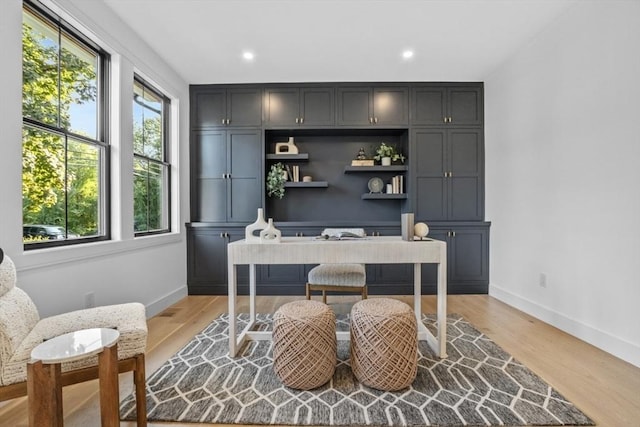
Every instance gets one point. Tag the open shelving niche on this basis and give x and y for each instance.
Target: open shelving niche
(327, 155)
(296, 157)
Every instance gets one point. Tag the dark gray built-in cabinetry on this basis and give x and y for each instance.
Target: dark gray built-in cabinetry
(437, 126)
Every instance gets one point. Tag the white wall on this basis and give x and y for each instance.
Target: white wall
(563, 175)
(151, 270)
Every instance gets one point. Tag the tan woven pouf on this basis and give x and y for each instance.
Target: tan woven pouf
(304, 344)
(384, 343)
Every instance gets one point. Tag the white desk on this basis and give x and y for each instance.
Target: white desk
(44, 384)
(305, 250)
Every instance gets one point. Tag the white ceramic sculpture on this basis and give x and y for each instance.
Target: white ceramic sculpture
(286, 147)
(270, 234)
(252, 231)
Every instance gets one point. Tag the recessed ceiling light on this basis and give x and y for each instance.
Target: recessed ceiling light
(407, 54)
(248, 56)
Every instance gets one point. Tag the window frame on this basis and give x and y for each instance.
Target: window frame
(102, 127)
(166, 154)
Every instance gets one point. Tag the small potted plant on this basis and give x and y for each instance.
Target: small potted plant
(275, 180)
(386, 154)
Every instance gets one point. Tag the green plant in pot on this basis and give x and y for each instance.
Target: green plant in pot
(275, 180)
(385, 154)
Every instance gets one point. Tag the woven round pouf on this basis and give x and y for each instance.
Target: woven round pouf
(384, 343)
(304, 344)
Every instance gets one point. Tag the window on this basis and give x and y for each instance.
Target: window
(150, 163)
(64, 148)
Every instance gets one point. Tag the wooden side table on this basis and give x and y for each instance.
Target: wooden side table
(44, 386)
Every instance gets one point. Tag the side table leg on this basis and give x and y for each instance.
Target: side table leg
(44, 389)
(109, 387)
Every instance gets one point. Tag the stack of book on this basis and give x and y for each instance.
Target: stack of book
(397, 185)
(294, 173)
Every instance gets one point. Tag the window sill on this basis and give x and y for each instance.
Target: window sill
(46, 257)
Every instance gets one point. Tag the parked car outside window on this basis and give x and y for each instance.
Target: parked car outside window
(50, 232)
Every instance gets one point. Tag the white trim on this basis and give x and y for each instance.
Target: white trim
(625, 350)
(165, 301)
(47, 257)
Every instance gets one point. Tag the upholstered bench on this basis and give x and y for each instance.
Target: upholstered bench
(384, 343)
(21, 329)
(337, 277)
(304, 344)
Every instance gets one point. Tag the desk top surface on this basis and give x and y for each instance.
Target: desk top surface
(373, 249)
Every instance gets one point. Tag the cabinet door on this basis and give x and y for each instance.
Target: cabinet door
(429, 166)
(317, 107)
(209, 163)
(465, 183)
(354, 106)
(208, 108)
(469, 255)
(244, 107)
(391, 106)
(245, 169)
(465, 106)
(207, 260)
(281, 106)
(428, 106)
(207, 256)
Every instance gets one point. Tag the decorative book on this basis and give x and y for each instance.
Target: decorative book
(362, 162)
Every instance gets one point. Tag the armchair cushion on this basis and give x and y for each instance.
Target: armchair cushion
(129, 319)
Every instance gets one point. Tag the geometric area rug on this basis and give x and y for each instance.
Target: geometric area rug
(479, 384)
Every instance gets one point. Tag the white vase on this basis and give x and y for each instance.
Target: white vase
(386, 161)
(250, 230)
(270, 234)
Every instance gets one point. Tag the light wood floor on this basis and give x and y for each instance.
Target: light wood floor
(604, 387)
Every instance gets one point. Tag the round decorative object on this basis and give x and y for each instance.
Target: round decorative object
(384, 343)
(304, 344)
(375, 185)
(421, 229)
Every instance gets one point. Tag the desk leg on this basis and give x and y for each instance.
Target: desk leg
(442, 303)
(44, 389)
(109, 387)
(417, 291)
(232, 293)
(252, 293)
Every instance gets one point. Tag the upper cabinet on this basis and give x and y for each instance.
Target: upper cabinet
(225, 107)
(447, 106)
(373, 106)
(448, 173)
(293, 107)
(226, 175)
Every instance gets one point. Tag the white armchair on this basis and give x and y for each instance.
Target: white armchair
(21, 329)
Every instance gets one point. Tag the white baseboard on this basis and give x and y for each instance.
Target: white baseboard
(163, 302)
(625, 350)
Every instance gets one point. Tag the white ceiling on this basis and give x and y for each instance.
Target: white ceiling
(336, 40)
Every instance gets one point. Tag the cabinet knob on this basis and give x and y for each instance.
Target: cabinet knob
(375, 120)
(224, 121)
(297, 120)
(228, 121)
(370, 119)
(301, 120)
